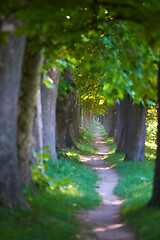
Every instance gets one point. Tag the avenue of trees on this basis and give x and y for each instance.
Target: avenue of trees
(63, 62)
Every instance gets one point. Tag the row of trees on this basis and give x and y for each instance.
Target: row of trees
(125, 121)
(27, 39)
(43, 42)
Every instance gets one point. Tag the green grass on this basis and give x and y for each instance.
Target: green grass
(135, 187)
(66, 187)
(87, 134)
(103, 132)
(84, 146)
(150, 151)
(51, 212)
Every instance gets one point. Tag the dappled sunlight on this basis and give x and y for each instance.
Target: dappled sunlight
(152, 145)
(101, 168)
(115, 202)
(84, 159)
(70, 190)
(102, 153)
(89, 158)
(150, 151)
(105, 168)
(100, 142)
(110, 227)
(71, 154)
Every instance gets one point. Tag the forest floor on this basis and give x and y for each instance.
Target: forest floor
(104, 222)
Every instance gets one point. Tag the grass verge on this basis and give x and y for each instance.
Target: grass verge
(84, 145)
(135, 187)
(66, 186)
(51, 212)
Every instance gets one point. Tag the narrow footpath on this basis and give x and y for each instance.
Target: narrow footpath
(104, 222)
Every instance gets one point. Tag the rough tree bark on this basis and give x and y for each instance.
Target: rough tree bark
(155, 200)
(74, 127)
(135, 139)
(64, 114)
(122, 124)
(131, 130)
(11, 58)
(49, 98)
(29, 86)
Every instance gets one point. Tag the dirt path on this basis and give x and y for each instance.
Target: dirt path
(103, 223)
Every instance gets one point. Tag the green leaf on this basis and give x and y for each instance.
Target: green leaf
(46, 156)
(48, 82)
(150, 103)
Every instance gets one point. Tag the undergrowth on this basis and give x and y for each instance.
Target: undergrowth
(103, 132)
(135, 187)
(84, 145)
(63, 188)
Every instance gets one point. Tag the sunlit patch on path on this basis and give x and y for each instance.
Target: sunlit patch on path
(105, 222)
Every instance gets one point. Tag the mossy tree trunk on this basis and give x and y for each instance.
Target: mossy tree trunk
(27, 102)
(49, 98)
(11, 58)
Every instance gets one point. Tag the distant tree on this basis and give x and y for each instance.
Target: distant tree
(64, 110)
(49, 98)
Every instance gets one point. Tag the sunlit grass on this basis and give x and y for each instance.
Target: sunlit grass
(87, 134)
(103, 132)
(66, 186)
(150, 151)
(135, 187)
(51, 212)
(83, 149)
(73, 154)
(86, 148)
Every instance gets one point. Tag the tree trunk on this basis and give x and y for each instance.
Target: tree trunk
(11, 58)
(29, 86)
(131, 130)
(155, 200)
(64, 114)
(86, 118)
(122, 124)
(49, 98)
(76, 121)
(102, 119)
(135, 144)
(109, 120)
(37, 135)
(39, 123)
